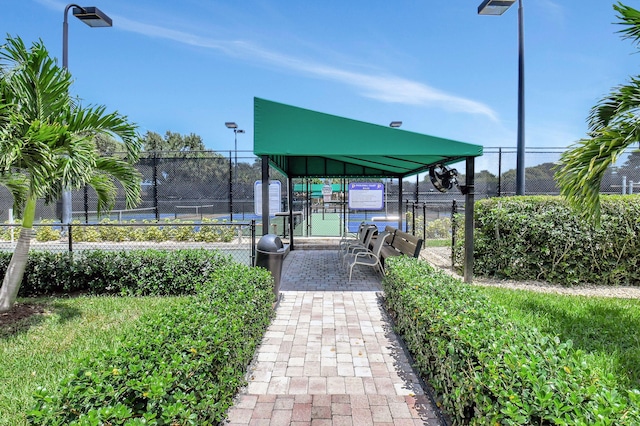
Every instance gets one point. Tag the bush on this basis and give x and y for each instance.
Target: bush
(135, 272)
(178, 367)
(46, 233)
(541, 238)
(488, 370)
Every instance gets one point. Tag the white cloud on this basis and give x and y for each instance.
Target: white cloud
(385, 88)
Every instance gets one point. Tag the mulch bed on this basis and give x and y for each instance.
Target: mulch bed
(13, 321)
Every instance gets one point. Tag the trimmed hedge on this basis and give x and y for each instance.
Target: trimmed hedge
(487, 370)
(134, 272)
(178, 367)
(541, 238)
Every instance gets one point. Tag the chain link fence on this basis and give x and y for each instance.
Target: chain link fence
(207, 185)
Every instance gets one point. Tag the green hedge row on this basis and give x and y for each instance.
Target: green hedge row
(181, 367)
(165, 230)
(485, 369)
(541, 238)
(135, 272)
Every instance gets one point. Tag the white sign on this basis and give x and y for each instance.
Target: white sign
(327, 190)
(366, 196)
(275, 197)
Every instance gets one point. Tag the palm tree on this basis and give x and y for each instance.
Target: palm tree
(614, 124)
(47, 143)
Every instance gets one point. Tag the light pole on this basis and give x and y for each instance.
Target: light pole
(93, 17)
(232, 125)
(498, 7)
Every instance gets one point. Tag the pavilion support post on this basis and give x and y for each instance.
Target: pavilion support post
(290, 201)
(400, 203)
(469, 220)
(265, 194)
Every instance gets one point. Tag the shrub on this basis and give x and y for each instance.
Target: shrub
(47, 232)
(488, 370)
(541, 238)
(135, 272)
(178, 367)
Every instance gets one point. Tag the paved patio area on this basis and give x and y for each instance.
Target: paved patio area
(330, 357)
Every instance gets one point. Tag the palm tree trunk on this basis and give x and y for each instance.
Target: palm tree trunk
(15, 271)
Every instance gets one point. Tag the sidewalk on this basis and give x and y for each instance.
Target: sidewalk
(330, 356)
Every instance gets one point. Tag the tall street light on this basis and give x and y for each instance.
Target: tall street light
(498, 7)
(234, 126)
(93, 17)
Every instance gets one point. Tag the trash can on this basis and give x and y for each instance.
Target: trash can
(269, 255)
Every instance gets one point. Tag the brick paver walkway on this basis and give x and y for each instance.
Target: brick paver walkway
(330, 356)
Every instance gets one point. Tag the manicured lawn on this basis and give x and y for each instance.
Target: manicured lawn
(46, 345)
(446, 242)
(606, 328)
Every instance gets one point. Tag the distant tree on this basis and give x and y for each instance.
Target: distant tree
(107, 144)
(152, 141)
(613, 126)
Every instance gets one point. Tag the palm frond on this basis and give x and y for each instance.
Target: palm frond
(18, 186)
(105, 190)
(630, 18)
(624, 99)
(126, 174)
(582, 167)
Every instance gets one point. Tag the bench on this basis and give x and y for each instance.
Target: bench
(400, 243)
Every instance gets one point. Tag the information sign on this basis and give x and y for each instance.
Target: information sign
(275, 197)
(366, 196)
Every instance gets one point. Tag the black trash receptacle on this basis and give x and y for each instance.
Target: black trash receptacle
(270, 254)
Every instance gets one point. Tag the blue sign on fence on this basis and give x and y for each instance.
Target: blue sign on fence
(366, 196)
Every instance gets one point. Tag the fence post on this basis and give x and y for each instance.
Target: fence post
(231, 188)
(499, 172)
(413, 219)
(424, 221)
(86, 204)
(454, 230)
(155, 185)
(70, 232)
(253, 242)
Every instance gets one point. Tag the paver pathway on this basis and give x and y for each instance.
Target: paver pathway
(330, 356)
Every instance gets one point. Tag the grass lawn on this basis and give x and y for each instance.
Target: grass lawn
(44, 347)
(606, 328)
(446, 242)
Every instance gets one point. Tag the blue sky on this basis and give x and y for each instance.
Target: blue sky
(188, 66)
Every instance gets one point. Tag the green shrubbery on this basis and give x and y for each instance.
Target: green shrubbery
(542, 238)
(434, 229)
(488, 370)
(108, 230)
(135, 272)
(178, 367)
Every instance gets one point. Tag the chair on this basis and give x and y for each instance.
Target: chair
(350, 237)
(369, 257)
(346, 242)
(362, 244)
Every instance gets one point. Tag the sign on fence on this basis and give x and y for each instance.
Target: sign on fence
(366, 196)
(275, 197)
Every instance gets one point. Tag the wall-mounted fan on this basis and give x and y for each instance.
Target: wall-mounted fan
(443, 178)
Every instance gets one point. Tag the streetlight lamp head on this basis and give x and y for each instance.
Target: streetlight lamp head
(395, 124)
(494, 7)
(92, 16)
(231, 125)
(239, 131)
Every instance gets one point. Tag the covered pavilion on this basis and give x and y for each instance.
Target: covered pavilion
(302, 143)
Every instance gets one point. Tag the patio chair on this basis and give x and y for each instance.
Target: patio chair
(368, 257)
(345, 243)
(362, 244)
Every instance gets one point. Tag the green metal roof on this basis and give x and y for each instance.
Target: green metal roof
(304, 143)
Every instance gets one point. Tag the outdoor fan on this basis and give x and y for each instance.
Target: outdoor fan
(443, 178)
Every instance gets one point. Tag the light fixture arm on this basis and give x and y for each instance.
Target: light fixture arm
(65, 35)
